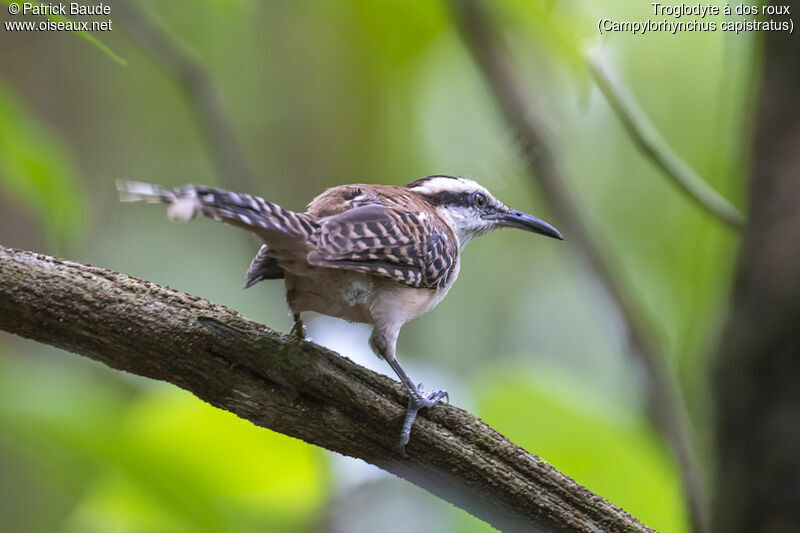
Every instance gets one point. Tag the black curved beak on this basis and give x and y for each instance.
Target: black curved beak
(517, 219)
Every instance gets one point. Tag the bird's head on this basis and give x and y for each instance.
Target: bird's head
(472, 211)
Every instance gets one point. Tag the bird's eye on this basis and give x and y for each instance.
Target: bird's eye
(479, 199)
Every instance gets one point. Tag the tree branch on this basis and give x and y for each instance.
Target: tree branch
(665, 399)
(650, 142)
(293, 387)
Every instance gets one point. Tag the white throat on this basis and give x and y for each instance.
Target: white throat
(465, 223)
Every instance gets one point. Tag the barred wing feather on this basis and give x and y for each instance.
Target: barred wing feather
(411, 247)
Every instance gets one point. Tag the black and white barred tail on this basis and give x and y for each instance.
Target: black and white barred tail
(266, 219)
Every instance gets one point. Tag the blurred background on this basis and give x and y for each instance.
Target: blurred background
(319, 93)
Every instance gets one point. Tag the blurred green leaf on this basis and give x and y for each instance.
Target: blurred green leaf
(397, 30)
(36, 169)
(254, 466)
(225, 5)
(562, 27)
(612, 451)
(53, 415)
(168, 462)
(184, 465)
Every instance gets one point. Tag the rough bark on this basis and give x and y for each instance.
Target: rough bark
(757, 368)
(296, 388)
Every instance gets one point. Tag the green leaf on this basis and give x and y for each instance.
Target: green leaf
(397, 30)
(562, 26)
(608, 448)
(162, 462)
(182, 465)
(36, 170)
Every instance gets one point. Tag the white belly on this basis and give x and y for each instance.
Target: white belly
(360, 297)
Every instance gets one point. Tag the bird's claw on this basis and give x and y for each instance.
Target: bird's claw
(432, 398)
(420, 399)
(415, 403)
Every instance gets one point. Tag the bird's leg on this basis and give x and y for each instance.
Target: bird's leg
(417, 400)
(383, 341)
(298, 329)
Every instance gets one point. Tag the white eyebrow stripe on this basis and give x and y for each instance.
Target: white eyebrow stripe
(455, 185)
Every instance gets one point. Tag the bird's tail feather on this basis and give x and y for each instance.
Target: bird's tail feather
(137, 191)
(266, 219)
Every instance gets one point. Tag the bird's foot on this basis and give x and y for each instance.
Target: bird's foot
(298, 330)
(417, 401)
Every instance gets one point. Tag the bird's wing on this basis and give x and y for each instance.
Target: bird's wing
(406, 245)
(264, 266)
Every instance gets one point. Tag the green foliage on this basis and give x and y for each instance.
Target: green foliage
(164, 462)
(37, 170)
(562, 28)
(398, 31)
(164, 480)
(224, 5)
(612, 452)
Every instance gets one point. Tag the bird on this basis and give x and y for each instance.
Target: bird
(375, 254)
